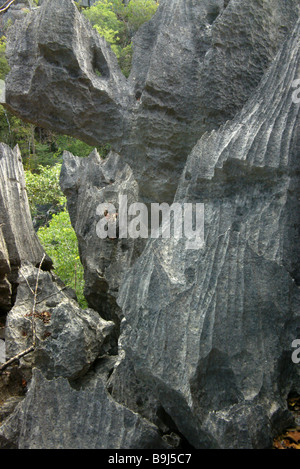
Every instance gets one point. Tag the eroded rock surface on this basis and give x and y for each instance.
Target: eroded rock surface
(89, 183)
(68, 339)
(207, 115)
(210, 330)
(18, 241)
(195, 64)
(64, 418)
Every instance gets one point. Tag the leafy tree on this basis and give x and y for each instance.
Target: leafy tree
(42, 153)
(60, 242)
(77, 147)
(4, 67)
(42, 150)
(118, 22)
(14, 131)
(43, 188)
(138, 12)
(56, 233)
(105, 20)
(38, 146)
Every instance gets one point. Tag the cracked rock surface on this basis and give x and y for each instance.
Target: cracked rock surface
(211, 329)
(68, 339)
(87, 184)
(103, 424)
(195, 64)
(207, 116)
(18, 240)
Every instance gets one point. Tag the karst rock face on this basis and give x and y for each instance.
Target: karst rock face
(105, 261)
(212, 329)
(208, 115)
(18, 241)
(195, 64)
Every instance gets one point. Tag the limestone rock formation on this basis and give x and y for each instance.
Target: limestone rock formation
(211, 329)
(87, 183)
(66, 418)
(206, 116)
(2, 351)
(195, 64)
(68, 339)
(70, 345)
(18, 241)
(15, 11)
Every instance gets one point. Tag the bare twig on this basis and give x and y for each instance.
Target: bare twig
(34, 302)
(27, 282)
(32, 347)
(6, 5)
(15, 358)
(61, 290)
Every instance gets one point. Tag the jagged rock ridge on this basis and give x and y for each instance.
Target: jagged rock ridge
(211, 330)
(195, 64)
(205, 344)
(18, 241)
(67, 341)
(103, 424)
(87, 183)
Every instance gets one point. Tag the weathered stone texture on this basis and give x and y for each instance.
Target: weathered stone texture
(195, 64)
(87, 183)
(18, 241)
(68, 339)
(211, 329)
(69, 419)
(207, 115)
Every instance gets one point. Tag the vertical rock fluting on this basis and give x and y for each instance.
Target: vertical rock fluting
(194, 66)
(66, 418)
(67, 341)
(206, 334)
(211, 330)
(18, 240)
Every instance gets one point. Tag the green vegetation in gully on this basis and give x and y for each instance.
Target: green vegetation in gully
(42, 149)
(118, 23)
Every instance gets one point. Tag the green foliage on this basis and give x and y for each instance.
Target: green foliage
(117, 23)
(13, 131)
(43, 188)
(38, 146)
(60, 242)
(57, 236)
(34, 152)
(42, 150)
(124, 55)
(77, 147)
(42, 155)
(138, 12)
(104, 20)
(4, 67)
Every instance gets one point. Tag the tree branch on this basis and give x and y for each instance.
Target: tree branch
(15, 358)
(6, 5)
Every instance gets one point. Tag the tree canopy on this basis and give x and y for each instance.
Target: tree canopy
(118, 22)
